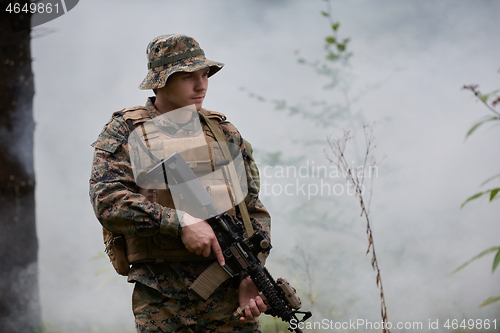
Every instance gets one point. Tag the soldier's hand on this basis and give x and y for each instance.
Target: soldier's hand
(198, 237)
(251, 303)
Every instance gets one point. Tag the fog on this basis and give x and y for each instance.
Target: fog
(410, 59)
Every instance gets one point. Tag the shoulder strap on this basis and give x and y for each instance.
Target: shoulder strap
(136, 114)
(232, 173)
(133, 116)
(213, 115)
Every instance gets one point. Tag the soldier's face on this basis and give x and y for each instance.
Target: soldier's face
(183, 89)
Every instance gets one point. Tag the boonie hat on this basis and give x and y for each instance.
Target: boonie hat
(168, 54)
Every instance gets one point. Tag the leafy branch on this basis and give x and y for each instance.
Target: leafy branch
(336, 49)
(490, 100)
(496, 261)
(333, 66)
(495, 95)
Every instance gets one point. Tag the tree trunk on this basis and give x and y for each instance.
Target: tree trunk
(19, 295)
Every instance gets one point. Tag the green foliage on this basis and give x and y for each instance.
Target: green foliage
(496, 260)
(481, 122)
(490, 300)
(486, 99)
(493, 97)
(334, 66)
(482, 254)
(490, 179)
(492, 193)
(330, 40)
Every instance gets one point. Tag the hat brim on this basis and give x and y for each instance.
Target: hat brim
(157, 77)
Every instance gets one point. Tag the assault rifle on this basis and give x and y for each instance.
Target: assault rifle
(240, 252)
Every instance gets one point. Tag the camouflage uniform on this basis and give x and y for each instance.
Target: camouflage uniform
(161, 301)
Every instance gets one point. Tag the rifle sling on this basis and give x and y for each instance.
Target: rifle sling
(232, 174)
(214, 275)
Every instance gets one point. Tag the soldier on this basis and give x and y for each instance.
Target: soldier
(166, 247)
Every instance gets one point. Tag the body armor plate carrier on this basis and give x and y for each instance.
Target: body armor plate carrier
(124, 250)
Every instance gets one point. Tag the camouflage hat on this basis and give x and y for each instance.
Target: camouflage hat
(168, 54)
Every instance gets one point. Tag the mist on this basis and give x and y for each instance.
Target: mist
(410, 60)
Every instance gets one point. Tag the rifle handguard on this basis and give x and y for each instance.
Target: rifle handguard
(290, 294)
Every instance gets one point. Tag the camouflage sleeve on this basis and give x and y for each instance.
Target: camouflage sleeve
(258, 213)
(113, 192)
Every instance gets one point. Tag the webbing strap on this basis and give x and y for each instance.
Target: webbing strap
(232, 175)
(209, 280)
(174, 58)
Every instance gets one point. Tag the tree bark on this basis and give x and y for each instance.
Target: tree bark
(19, 295)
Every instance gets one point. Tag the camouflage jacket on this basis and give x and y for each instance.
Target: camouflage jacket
(122, 209)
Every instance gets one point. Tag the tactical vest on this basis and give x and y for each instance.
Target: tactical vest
(160, 248)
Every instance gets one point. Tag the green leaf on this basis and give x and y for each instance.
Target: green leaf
(496, 261)
(330, 40)
(324, 13)
(475, 196)
(493, 193)
(336, 26)
(332, 56)
(280, 104)
(490, 179)
(485, 97)
(341, 47)
(482, 97)
(485, 252)
(476, 126)
(490, 301)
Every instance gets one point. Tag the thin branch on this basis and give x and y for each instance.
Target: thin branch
(477, 93)
(336, 156)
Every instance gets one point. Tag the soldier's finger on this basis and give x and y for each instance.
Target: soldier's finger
(248, 313)
(218, 252)
(206, 250)
(260, 304)
(253, 309)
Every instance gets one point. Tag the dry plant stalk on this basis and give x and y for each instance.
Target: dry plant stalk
(336, 156)
(307, 264)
